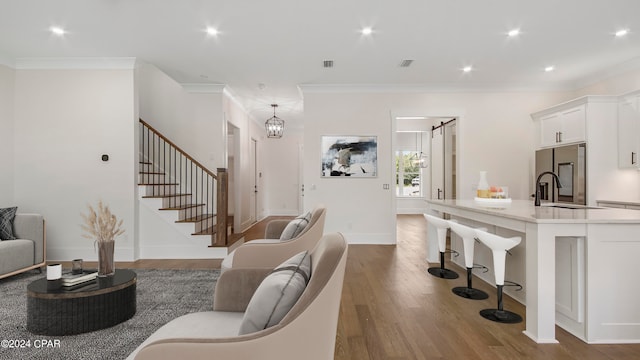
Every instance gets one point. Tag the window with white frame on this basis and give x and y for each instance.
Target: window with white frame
(408, 174)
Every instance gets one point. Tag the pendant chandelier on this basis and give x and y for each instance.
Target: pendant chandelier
(275, 125)
(421, 160)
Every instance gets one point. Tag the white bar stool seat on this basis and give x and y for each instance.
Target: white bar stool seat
(499, 246)
(441, 226)
(468, 236)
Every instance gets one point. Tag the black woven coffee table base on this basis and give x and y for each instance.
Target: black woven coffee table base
(107, 303)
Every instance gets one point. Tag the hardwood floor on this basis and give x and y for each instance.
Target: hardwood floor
(393, 309)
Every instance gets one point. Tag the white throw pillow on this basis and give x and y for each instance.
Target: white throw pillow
(277, 294)
(295, 227)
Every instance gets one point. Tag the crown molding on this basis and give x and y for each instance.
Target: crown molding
(228, 91)
(575, 102)
(430, 88)
(89, 63)
(203, 88)
(609, 72)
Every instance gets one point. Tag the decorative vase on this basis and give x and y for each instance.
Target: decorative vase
(105, 258)
(483, 186)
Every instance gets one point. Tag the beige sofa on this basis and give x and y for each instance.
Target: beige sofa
(307, 331)
(26, 252)
(271, 251)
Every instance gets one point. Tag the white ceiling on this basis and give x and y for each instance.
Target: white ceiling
(282, 43)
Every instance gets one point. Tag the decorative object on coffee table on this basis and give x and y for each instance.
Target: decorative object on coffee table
(103, 227)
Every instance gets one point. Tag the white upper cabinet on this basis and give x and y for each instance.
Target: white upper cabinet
(593, 120)
(628, 130)
(563, 126)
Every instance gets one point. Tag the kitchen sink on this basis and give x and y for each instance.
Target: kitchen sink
(568, 206)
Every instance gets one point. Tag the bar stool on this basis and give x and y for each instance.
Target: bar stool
(441, 226)
(499, 246)
(468, 236)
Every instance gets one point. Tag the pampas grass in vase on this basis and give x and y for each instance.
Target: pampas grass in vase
(103, 227)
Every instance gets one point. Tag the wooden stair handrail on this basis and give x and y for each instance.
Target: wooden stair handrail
(186, 155)
(222, 190)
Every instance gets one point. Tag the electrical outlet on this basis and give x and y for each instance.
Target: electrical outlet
(385, 186)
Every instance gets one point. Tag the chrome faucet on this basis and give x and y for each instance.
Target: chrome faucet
(537, 201)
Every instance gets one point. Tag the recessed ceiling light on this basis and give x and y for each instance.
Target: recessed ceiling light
(56, 30)
(622, 32)
(467, 69)
(212, 31)
(514, 33)
(549, 68)
(366, 31)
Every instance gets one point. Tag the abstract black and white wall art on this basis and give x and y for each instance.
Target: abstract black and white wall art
(354, 156)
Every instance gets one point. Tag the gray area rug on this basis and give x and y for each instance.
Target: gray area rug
(162, 295)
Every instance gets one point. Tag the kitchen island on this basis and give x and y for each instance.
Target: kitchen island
(600, 266)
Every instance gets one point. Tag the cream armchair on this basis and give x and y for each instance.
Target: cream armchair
(307, 331)
(271, 251)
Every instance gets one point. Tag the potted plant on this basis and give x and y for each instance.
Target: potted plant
(103, 227)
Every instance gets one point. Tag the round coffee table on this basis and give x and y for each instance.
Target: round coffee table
(103, 303)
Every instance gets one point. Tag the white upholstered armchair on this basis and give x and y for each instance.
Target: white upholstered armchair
(307, 331)
(271, 251)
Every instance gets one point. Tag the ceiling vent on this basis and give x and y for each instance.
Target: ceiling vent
(406, 63)
(327, 63)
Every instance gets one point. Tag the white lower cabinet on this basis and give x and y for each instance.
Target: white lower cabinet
(570, 278)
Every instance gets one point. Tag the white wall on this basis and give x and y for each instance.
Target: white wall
(495, 133)
(281, 172)
(64, 121)
(278, 166)
(193, 120)
(7, 80)
(358, 207)
(244, 195)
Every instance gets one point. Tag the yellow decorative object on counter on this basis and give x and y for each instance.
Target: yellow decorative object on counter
(483, 186)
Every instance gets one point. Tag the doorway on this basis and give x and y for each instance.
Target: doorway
(443, 160)
(253, 166)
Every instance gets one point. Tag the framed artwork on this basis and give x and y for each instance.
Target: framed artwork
(349, 156)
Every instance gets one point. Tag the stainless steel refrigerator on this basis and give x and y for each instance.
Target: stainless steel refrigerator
(569, 163)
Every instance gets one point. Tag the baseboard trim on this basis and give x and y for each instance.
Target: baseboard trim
(87, 254)
(178, 252)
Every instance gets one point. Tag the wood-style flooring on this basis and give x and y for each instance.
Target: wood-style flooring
(393, 309)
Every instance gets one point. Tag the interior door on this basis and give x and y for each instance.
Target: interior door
(254, 181)
(450, 160)
(437, 164)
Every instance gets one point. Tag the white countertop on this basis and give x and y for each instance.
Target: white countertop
(524, 210)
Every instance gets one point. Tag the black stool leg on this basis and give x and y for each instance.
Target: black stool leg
(500, 315)
(441, 272)
(469, 292)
